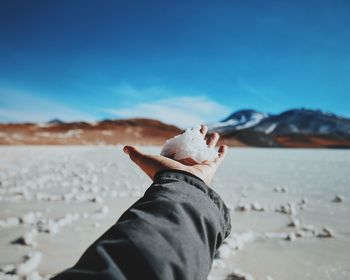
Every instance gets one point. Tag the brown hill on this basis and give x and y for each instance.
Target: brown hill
(140, 131)
(108, 132)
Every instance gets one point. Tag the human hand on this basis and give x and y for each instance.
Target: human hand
(151, 164)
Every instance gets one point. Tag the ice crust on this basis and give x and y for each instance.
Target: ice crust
(190, 144)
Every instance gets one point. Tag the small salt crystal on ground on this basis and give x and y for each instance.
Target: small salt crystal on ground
(114, 194)
(97, 225)
(30, 217)
(31, 262)
(243, 194)
(281, 189)
(291, 236)
(224, 251)
(218, 264)
(326, 233)
(304, 201)
(190, 144)
(289, 208)
(94, 179)
(67, 219)
(97, 199)
(338, 198)
(238, 275)
(294, 222)
(8, 269)
(243, 207)
(276, 235)
(257, 207)
(309, 228)
(34, 276)
(10, 222)
(104, 210)
(48, 226)
(27, 239)
(292, 208)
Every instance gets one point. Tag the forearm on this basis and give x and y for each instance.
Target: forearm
(172, 232)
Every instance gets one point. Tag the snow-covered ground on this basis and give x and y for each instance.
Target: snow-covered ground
(290, 209)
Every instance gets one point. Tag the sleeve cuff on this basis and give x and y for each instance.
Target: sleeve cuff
(198, 183)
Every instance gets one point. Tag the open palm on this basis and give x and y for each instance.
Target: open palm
(151, 164)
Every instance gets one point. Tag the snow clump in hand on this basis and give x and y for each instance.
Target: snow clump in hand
(190, 144)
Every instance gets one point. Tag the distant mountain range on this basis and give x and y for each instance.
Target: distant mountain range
(293, 128)
(106, 132)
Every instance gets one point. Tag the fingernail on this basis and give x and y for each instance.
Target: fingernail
(126, 150)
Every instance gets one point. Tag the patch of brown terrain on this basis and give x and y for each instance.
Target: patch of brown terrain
(311, 141)
(144, 132)
(108, 132)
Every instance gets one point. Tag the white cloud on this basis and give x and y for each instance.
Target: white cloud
(129, 91)
(24, 107)
(182, 111)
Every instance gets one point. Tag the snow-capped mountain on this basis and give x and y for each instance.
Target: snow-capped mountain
(297, 127)
(239, 120)
(304, 121)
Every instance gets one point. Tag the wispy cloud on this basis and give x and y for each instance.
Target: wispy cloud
(267, 95)
(18, 106)
(183, 111)
(169, 106)
(129, 91)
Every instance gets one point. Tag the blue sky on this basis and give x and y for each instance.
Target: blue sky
(183, 62)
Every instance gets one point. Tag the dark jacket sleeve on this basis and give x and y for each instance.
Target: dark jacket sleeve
(172, 232)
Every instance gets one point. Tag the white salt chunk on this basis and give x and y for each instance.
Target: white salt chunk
(190, 144)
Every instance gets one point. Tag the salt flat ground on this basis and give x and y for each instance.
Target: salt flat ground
(73, 194)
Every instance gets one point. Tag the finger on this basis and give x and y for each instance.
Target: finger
(213, 140)
(222, 152)
(203, 130)
(150, 164)
(134, 154)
